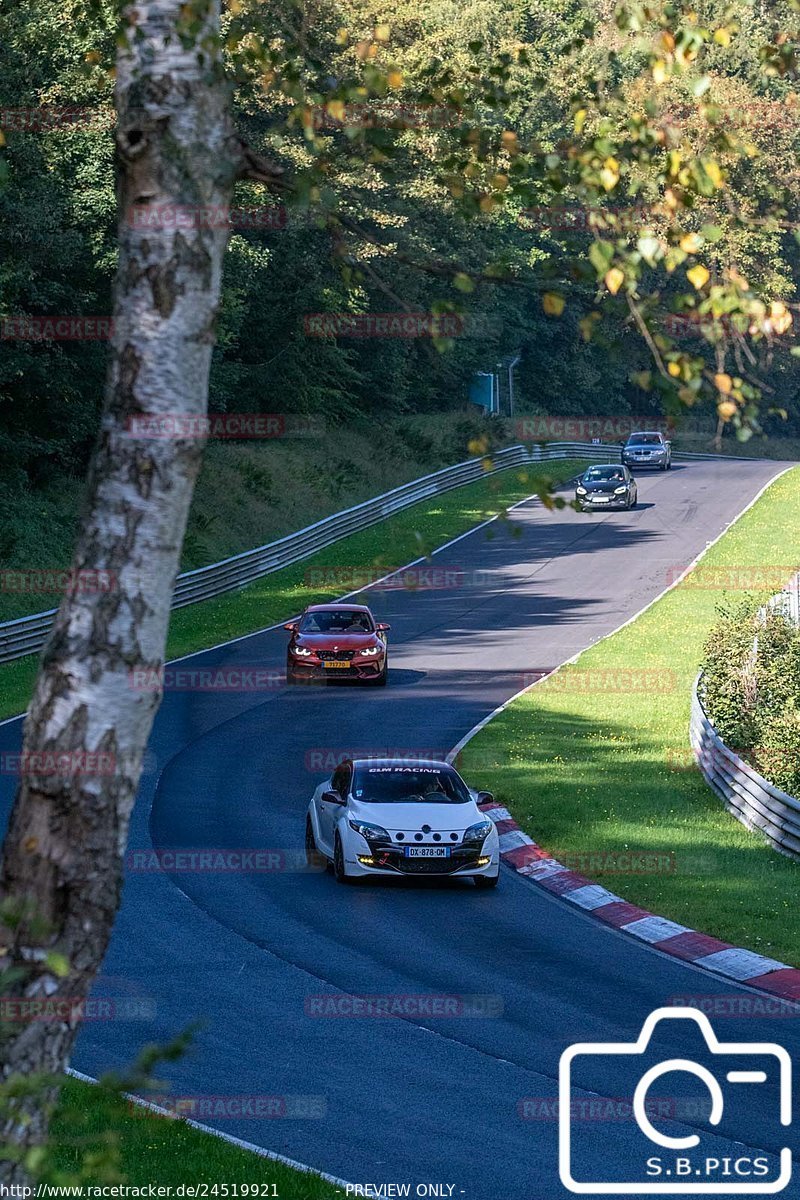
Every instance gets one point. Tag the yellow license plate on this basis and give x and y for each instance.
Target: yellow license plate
(333, 663)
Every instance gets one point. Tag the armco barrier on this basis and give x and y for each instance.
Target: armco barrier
(26, 635)
(753, 800)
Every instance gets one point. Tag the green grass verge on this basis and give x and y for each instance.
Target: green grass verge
(398, 540)
(98, 1136)
(585, 770)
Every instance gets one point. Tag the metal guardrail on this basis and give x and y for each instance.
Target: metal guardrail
(753, 800)
(26, 635)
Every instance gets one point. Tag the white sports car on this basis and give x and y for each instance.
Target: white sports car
(388, 817)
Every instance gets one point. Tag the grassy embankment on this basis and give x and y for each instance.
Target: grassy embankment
(585, 770)
(392, 543)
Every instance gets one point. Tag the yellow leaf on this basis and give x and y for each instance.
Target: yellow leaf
(659, 71)
(609, 176)
(92, 57)
(691, 243)
(674, 369)
(726, 409)
(234, 7)
(553, 304)
(714, 173)
(342, 36)
(336, 109)
(2, 138)
(614, 280)
(698, 276)
(579, 120)
(724, 383)
(395, 79)
(780, 317)
(509, 142)
(383, 33)
(722, 37)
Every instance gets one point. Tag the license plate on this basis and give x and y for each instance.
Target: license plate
(600, 499)
(333, 663)
(427, 851)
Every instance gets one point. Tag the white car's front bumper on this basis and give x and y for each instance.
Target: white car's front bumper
(460, 862)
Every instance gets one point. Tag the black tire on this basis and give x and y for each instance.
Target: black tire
(382, 679)
(291, 678)
(484, 882)
(338, 862)
(663, 467)
(313, 857)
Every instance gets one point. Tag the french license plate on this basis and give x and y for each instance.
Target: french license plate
(333, 663)
(427, 851)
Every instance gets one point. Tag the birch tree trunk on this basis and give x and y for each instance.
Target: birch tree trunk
(62, 859)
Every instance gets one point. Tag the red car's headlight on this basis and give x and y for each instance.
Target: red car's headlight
(371, 651)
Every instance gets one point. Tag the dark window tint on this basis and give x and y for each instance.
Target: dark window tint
(409, 785)
(336, 622)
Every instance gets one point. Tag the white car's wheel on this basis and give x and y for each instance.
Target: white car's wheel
(313, 856)
(339, 867)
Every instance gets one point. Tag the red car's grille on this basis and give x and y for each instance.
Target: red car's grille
(341, 655)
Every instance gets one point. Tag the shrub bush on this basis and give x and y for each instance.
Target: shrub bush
(751, 689)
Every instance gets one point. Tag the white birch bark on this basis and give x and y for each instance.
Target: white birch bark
(62, 858)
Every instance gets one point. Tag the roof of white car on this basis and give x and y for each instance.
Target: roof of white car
(398, 764)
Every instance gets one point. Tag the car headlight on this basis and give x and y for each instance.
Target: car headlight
(372, 833)
(477, 834)
(581, 491)
(619, 491)
(371, 651)
(301, 652)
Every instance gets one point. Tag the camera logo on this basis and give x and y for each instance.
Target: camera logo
(684, 1165)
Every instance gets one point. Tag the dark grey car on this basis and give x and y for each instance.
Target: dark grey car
(647, 450)
(607, 485)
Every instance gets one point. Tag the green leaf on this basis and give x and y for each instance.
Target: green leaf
(600, 256)
(58, 964)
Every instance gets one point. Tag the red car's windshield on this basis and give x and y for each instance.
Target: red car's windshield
(336, 622)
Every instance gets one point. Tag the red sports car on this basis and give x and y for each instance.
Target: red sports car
(337, 641)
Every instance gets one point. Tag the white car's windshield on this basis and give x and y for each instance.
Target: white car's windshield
(408, 785)
(645, 439)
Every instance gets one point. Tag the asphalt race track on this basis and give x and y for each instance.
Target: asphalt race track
(417, 1099)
